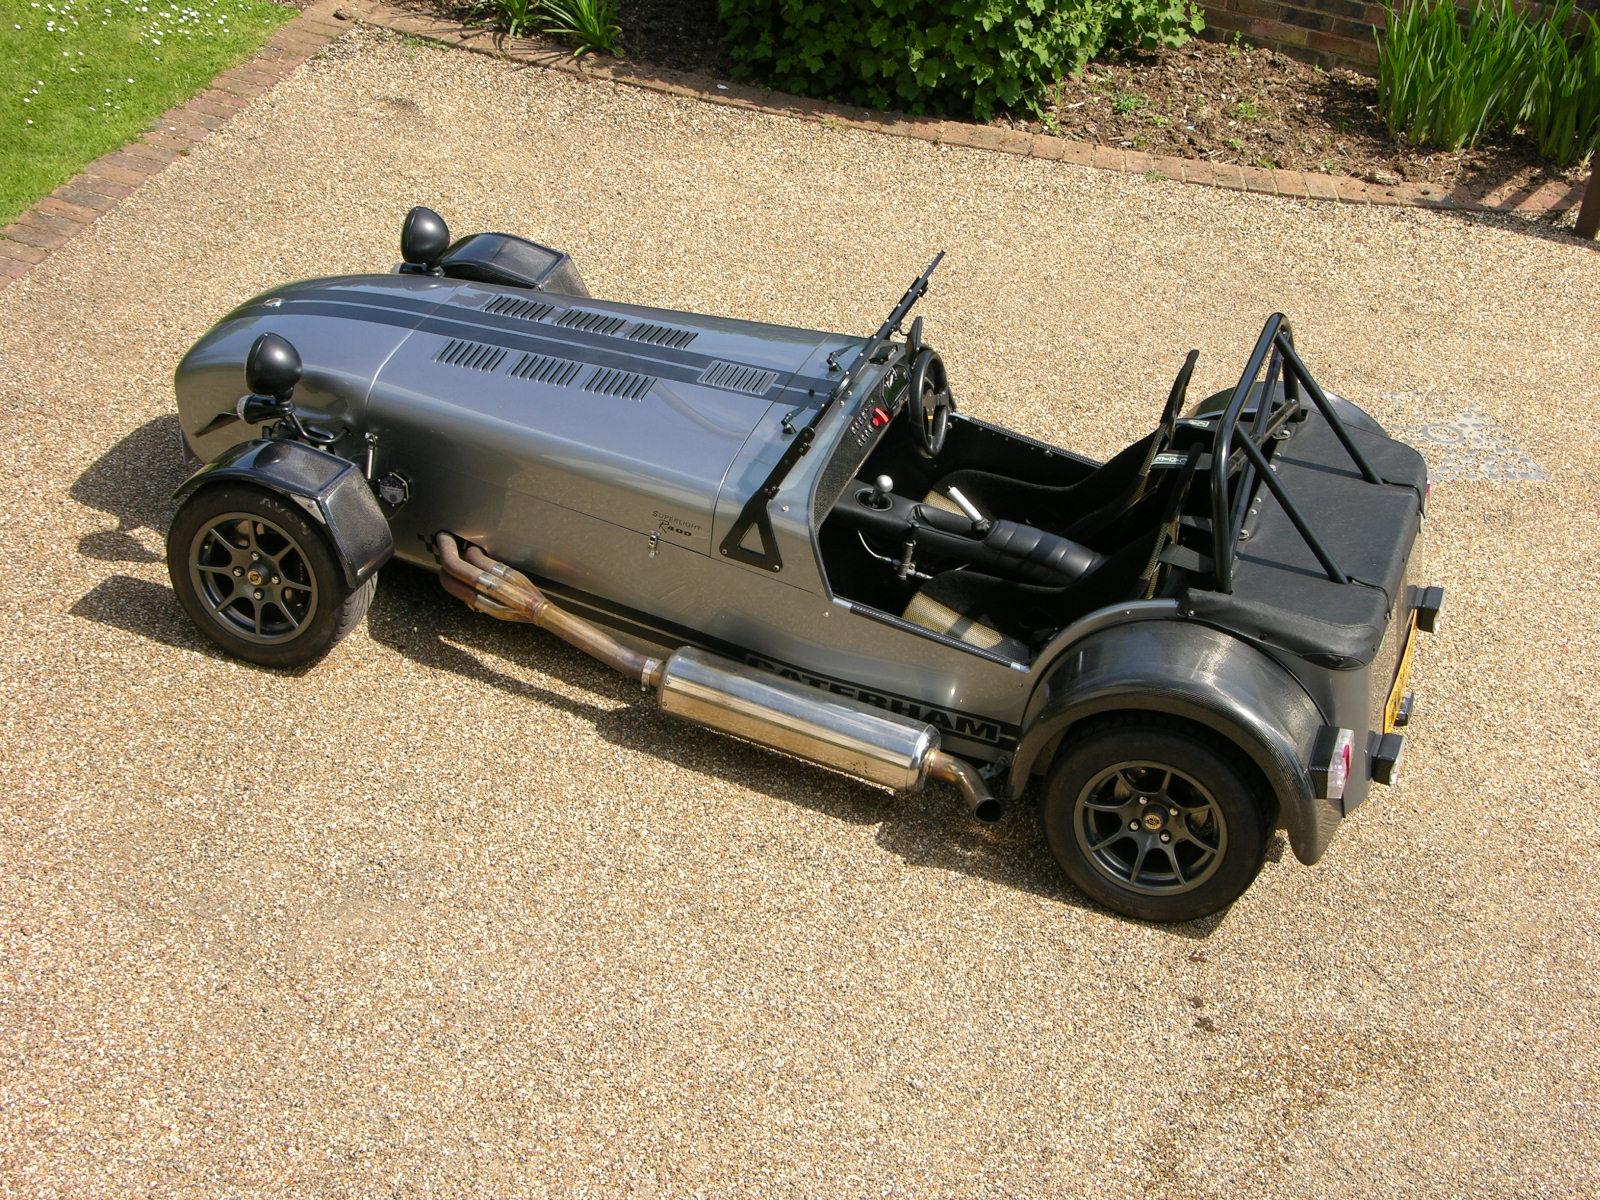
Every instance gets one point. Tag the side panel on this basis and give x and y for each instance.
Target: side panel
(1200, 674)
(330, 489)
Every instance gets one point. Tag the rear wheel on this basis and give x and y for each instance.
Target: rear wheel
(259, 578)
(1153, 819)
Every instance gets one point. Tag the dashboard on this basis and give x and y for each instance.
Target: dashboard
(875, 415)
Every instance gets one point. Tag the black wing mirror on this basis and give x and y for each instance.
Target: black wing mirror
(423, 240)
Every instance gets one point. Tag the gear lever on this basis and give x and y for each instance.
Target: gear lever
(881, 487)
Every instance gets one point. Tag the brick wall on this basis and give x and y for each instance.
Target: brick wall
(1330, 32)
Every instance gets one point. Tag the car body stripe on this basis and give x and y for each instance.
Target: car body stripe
(512, 333)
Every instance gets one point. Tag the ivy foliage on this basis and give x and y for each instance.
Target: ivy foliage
(961, 57)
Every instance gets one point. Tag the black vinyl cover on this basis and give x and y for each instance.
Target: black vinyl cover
(505, 258)
(1281, 594)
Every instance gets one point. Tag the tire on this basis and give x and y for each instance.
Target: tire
(1202, 819)
(302, 606)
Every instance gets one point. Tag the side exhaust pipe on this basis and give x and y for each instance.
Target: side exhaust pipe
(730, 697)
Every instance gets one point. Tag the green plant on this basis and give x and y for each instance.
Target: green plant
(1445, 79)
(590, 24)
(518, 16)
(970, 57)
(1560, 105)
(1126, 102)
(1247, 110)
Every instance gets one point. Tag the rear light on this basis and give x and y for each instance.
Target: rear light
(1331, 761)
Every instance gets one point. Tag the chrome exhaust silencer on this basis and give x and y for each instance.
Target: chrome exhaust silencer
(730, 697)
(831, 731)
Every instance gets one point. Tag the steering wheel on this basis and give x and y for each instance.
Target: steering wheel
(931, 401)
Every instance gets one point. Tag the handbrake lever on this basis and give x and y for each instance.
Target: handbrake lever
(980, 523)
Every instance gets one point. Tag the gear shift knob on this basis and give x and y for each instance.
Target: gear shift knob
(882, 486)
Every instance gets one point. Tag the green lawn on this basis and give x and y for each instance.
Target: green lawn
(81, 77)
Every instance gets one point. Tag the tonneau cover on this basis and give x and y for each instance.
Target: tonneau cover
(1281, 594)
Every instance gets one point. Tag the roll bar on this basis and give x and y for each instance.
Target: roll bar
(1274, 351)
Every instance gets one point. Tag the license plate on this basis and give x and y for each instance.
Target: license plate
(1402, 675)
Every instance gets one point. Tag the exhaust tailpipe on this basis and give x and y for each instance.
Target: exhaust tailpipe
(730, 697)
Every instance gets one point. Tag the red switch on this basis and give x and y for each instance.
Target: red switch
(880, 417)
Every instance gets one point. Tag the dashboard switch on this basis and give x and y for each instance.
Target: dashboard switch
(880, 416)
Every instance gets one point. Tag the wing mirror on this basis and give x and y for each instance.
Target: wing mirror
(423, 240)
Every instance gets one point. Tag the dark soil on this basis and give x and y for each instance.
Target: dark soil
(1254, 107)
(682, 34)
(1228, 103)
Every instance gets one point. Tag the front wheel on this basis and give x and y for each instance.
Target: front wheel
(258, 577)
(1153, 819)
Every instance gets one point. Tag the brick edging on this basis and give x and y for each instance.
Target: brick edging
(102, 185)
(1549, 200)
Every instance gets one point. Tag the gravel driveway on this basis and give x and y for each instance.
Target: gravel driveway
(455, 913)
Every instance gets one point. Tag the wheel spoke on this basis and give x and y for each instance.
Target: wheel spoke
(1104, 842)
(1171, 851)
(294, 621)
(1138, 861)
(1189, 835)
(216, 535)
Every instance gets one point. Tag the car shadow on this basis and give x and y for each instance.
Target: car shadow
(133, 482)
(414, 618)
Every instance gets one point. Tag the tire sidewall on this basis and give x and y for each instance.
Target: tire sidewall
(320, 632)
(1207, 762)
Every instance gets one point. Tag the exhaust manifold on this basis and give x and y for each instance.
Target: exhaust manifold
(730, 697)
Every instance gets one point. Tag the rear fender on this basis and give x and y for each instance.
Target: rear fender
(330, 489)
(1201, 675)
